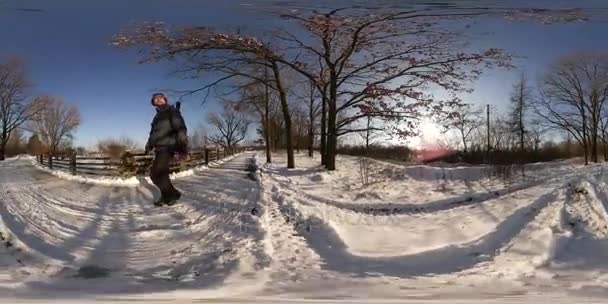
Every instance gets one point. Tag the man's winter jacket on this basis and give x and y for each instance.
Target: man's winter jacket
(168, 130)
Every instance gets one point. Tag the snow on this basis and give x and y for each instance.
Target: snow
(413, 234)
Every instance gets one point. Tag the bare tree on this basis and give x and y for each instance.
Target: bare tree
(383, 61)
(198, 138)
(314, 108)
(231, 126)
(256, 101)
(573, 95)
(14, 109)
(391, 56)
(535, 134)
(520, 103)
(55, 123)
(369, 133)
(465, 119)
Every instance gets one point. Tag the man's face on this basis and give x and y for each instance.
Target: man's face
(159, 101)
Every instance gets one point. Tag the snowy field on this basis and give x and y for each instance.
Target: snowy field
(411, 234)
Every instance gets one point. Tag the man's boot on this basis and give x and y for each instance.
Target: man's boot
(160, 202)
(174, 198)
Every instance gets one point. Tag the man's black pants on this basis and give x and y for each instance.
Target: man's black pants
(159, 173)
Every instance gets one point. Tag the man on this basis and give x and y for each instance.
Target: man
(168, 138)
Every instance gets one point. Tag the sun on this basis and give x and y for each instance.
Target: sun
(430, 135)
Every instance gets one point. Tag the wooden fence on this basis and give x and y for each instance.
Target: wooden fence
(128, 164)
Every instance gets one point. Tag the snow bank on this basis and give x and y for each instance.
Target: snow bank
(104, 181)
(20, 156)
(476, 173)
(120, 181)
(421, 172)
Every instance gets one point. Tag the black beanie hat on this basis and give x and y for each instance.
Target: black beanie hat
(158, 95)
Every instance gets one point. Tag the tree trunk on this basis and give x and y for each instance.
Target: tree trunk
(311, 139)
(311, 119)
(323, 144)
(594, 138)
(585, 136)
(267, 121)
(367, 135)
(593, 132)
(488, 132)
(521, 137)
(605, 151)
(286, 116)
(464, 141)
(332, 132)
(3, 141)
(332, 139)
(594, 157)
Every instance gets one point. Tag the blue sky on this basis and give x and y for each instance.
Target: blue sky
(66, 47)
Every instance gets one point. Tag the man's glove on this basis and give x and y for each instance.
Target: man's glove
(178, 157)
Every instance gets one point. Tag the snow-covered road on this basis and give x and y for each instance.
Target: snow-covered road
(307, 234)
(61, 231)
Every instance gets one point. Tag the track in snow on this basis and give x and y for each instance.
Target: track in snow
(516, 236)
(231, 238)
(65, 227)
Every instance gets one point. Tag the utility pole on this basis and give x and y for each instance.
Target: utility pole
(266, 116)
(488, 132)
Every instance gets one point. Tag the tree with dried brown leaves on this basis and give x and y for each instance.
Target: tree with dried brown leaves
(115, 148)
(375, 64)
(55, 123)
(34, 145)
(380, 62)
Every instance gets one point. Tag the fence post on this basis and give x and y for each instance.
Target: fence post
(206, 156)
(217, 153)
(50, 156)
(73, 163)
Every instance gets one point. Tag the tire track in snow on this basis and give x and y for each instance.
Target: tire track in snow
(119, 229)
(324, 240)
(293, 261)
(388, 209)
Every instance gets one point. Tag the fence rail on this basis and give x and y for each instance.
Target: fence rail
(129, 164)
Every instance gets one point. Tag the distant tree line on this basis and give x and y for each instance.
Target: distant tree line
(565, 116)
